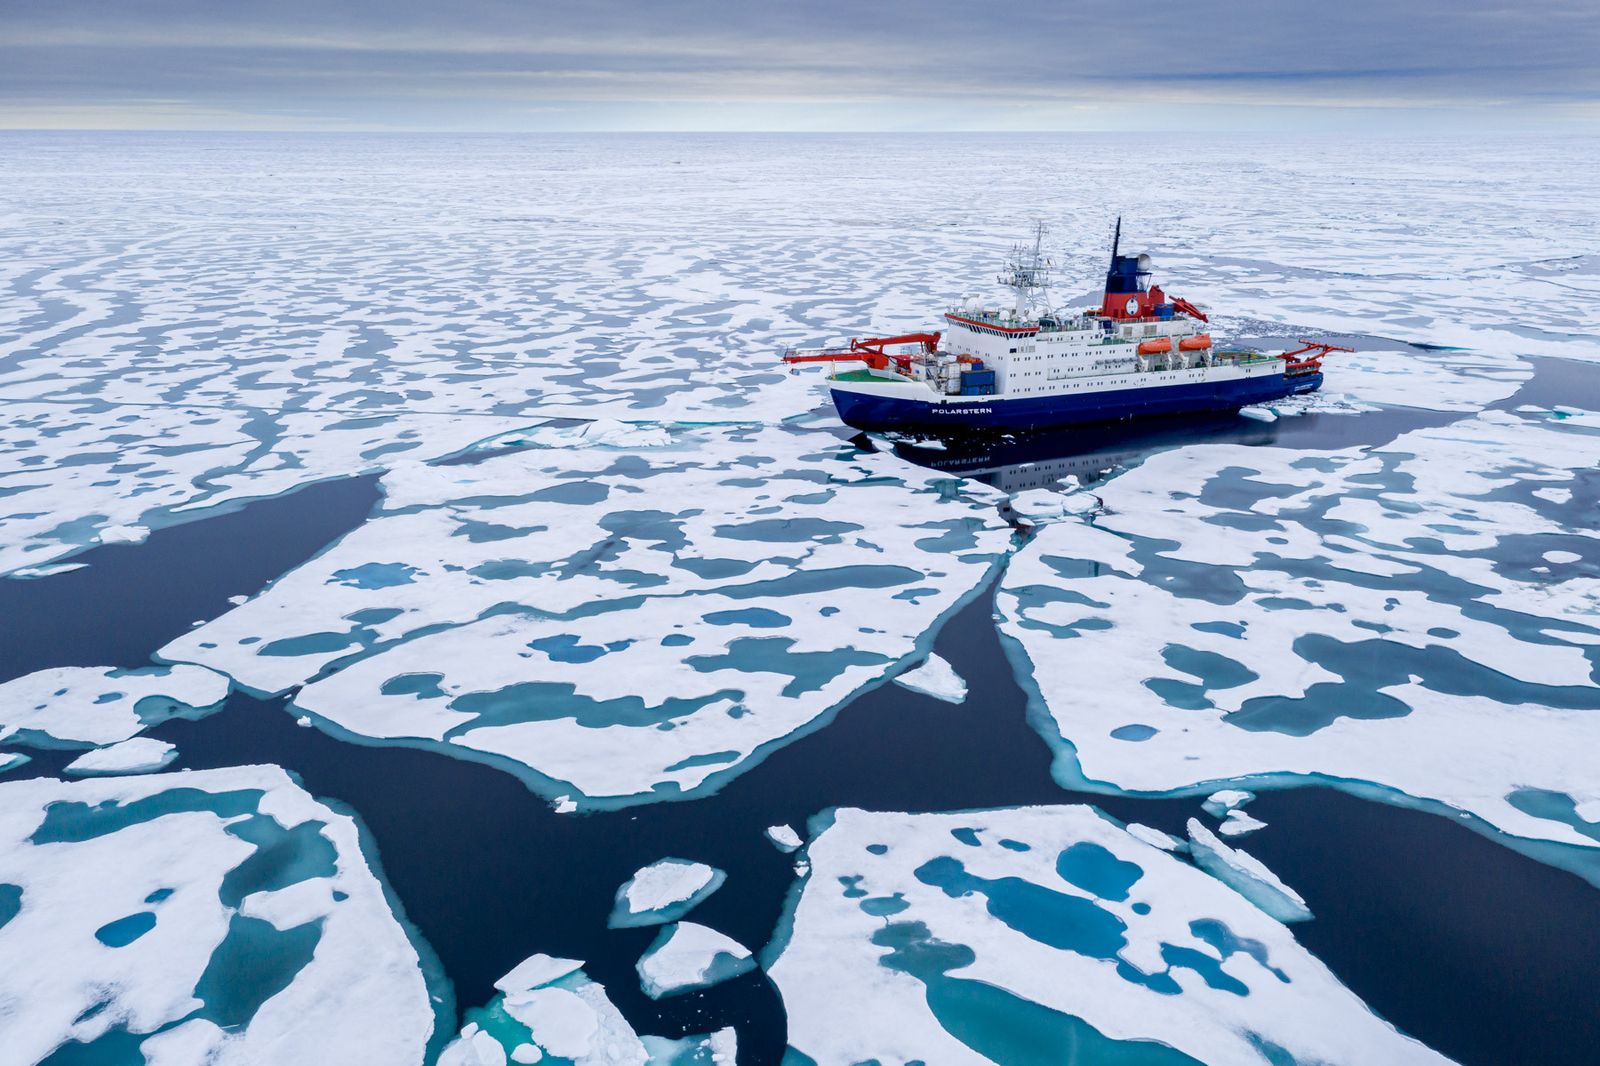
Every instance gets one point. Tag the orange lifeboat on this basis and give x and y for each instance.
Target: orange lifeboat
(1195, 344)
(1156, 346)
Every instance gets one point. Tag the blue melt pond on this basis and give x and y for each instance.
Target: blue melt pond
(564, 648)
(376, 575)
(124, 931)
(1134, 732)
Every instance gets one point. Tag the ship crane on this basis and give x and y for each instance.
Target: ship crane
(1308, 359)
(873, 351)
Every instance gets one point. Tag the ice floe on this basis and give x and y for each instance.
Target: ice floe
(686, 956)
(221, 916)
(619, 626)
(1237, 823)
(1245, 874)
(1220, 802)
(720, 1048)
(784, 838)
(76, 706)
(141, 755)
(936, 678)
(1373, 618)
(967, 937)
(664, 891)
(547, 1010)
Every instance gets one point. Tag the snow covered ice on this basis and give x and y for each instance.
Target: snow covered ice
(617, 625)
(1373, 616)
(966, 937)
(687, 956)
(936, 678)
(664, 891)
(74, 706)
(221, 916)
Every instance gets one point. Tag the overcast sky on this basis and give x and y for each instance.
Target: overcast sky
(799, 64)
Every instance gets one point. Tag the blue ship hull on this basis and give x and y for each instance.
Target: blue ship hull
(1000, 415)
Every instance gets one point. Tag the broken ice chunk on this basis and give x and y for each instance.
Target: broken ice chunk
(687, 956)
(720, 1048)
(664, 891)
(936, 678)
(141, 755)
(1156, 838)
(784, 838)
(1238, 823)
(535, 971)
(1218, 804)
(1246, 875)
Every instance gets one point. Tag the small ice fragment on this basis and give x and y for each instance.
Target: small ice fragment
(1260, 414)
(936, 678)
(476, 1048)
(1218, 804)
(564, 804)
(237, 600)
(687, 956)
(1554, 495)
(534, 972)
(784, 838)
(1246, 875)
(304, 721)
(1155, 837)
(1238, 823)
(1562, 557)
(526, 1053)
(123, 534)
(930, 445)
(664, 891)
(137, 756)
(801, 867)
(720, 1048)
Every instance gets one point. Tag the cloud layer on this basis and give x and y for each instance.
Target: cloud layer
(814, 64)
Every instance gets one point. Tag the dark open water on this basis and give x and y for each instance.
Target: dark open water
(1480, 952)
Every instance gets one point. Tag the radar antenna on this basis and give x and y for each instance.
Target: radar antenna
(1028, 272)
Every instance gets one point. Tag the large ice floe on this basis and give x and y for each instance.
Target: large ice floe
(75, 706)
(1387, 619)
(1047, 934)
(618, 625)
(218, 916)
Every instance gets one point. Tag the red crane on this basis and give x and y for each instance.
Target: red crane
(1302, 361)
(871, 351)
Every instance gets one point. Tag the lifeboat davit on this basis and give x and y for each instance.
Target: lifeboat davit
(1155, 347)
(1195, 344)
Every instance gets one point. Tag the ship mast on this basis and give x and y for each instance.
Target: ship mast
(1028, 272)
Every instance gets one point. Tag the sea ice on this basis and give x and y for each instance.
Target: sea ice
(137, 918)
(969, 937)
(618, 626)
(546, 1011)
(663, 892)
(1372, 617)
(1237, 823)
(141, 755)
(1219, 803)
(784, 838)
(11, 760)
(720, 1048)
(78, 706)
(1245, 874)
(936, 678)
(1156, 838)
(686, 956)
